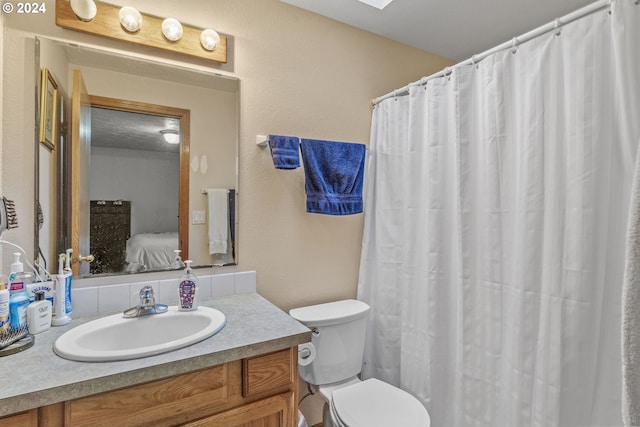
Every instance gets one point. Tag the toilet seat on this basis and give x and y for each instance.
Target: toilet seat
(373, 403)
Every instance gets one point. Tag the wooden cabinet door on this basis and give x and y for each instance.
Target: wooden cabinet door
(167, 402)
(275, 411)
(23, 419)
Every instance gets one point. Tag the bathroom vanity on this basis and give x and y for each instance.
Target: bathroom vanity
(245, 375)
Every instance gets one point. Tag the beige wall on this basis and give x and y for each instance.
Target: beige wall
(301, 74)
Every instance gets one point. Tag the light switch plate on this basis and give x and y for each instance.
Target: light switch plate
(199, 217)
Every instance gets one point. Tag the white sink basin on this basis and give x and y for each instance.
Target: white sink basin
(118, 338)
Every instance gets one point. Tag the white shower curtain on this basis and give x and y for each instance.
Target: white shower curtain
(496, 203)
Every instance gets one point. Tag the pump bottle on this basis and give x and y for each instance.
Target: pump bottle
(18, 279)
(188, 289)
(19, 298)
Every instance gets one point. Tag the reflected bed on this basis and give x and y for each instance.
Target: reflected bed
(152, 251)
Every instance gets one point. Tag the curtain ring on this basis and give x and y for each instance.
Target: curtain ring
(514, 45)
(475, 61)
(610, 7)
(558, 26)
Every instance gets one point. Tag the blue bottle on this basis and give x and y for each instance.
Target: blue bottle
(19, 298)
(18, 303)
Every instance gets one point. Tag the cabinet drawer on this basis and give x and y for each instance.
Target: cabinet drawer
(274, 411)
(268, 372)
(164, 402)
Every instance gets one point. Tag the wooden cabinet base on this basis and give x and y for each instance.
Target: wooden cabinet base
(255, 392)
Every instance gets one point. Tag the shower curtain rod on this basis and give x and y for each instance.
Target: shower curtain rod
(551, 26)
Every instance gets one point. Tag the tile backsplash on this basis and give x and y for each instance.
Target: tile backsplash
(105, 299)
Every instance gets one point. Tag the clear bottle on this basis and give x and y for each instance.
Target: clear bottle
(18, 279)
(39, 314)
(188, 289)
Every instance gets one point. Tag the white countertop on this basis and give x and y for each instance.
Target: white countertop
(38, 377)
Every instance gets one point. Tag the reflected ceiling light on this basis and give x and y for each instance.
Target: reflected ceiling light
(209, 39)
(171, 136)
(130, 19)
(85, 10)
(172, 29)
(378, 4)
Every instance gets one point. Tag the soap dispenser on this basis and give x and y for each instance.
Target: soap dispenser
(188, 289)
(177, 259)
(19, 298)
(18, 279)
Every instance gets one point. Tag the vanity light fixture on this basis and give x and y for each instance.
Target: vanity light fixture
(130, 19)
(143, 29)
(209, 39)
(171, 136)
(172, 29)
(85, 10)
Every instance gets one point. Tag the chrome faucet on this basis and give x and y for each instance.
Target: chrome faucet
(147, 304)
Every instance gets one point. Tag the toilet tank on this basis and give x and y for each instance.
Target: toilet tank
(338, 336)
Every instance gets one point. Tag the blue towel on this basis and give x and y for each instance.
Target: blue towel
(285, 151)
(334, 175)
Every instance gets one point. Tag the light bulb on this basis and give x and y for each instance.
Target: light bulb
(85, 10)
(209, 39)
(172, 29)
(130, 19)
(171, 136)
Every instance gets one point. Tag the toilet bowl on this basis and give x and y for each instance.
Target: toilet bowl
(332, 364)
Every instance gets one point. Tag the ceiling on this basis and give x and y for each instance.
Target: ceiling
(132, 131)
(454, 29)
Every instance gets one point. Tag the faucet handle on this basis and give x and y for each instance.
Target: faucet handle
(147, 304)
(147, 296)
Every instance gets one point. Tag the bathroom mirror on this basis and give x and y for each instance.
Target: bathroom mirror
(142, 197)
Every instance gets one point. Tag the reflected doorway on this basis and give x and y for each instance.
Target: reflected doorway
(138, 186)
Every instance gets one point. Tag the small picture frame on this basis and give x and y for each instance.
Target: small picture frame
(48, 110)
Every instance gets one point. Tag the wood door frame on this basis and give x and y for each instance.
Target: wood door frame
(77, 174)
(185, 126)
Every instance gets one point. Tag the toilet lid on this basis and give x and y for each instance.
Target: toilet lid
(373, 403)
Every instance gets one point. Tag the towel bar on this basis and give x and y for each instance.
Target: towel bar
(262, 140)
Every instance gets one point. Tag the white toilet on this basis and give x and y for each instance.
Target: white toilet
(332, 361)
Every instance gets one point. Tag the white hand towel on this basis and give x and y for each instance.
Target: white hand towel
(631, 311)
(218, 220)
